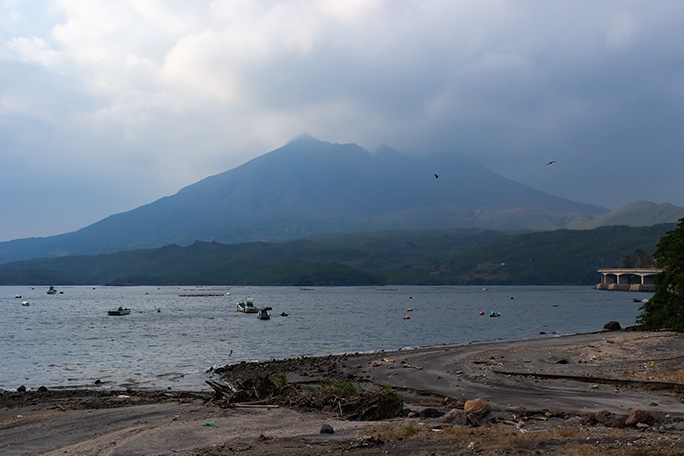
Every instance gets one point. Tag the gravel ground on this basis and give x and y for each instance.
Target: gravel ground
(561, 395)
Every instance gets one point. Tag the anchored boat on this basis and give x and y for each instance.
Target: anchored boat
(118, 312)
(247, 306)
(263, 314)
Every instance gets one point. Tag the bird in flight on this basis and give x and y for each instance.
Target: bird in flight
(436, 176)
(551, 162)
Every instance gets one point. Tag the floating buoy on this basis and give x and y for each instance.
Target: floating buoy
(407, 318)
(481, 313)
(409, 310)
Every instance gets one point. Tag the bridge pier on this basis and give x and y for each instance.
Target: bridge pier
(624, 279)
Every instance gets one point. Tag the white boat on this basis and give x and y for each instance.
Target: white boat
(263, 314)
(118, 312)
(25, 303)
(247, 306)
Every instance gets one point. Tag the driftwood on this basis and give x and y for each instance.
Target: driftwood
(223, 389)
(223, 392)
(251, 392)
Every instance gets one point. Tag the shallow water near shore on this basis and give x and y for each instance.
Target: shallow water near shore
(173, 335)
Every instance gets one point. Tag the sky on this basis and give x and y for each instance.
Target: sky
(109, 105)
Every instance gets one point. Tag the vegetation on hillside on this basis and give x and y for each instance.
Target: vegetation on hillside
(666, 308)
(435, 257)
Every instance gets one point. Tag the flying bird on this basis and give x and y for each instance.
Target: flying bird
(551, 162)
(436, 176)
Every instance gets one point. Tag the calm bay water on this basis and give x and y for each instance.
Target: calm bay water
(170, 340)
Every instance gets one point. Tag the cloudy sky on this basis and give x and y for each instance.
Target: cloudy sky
(108, 105)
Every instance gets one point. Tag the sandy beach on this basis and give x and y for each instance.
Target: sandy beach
(551, 395)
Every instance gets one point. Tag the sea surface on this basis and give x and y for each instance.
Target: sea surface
(175, 335)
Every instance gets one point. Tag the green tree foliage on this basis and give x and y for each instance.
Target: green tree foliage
(435, 257)
(643, 259)
(666, 308)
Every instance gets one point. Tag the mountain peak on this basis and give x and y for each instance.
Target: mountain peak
(636, 213)
(303, 138)
(310, 186)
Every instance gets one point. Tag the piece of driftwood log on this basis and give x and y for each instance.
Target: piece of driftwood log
(222, 392)
(225, 393)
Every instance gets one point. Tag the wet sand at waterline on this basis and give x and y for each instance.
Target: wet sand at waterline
(546, 396)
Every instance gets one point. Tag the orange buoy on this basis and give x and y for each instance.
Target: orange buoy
(409, 310)
(481, 313)
(407, 318)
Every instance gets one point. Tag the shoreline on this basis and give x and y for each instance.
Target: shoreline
(200, 387)
(563, 384)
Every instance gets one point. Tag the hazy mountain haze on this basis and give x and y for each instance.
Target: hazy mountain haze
(106, 106)
(310, 186)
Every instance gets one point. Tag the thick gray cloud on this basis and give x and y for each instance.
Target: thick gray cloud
(107, 105)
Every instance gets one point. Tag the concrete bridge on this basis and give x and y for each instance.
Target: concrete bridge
(625, 279)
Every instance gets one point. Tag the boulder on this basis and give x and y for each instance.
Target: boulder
(430, 413)
(455, 416)
(637, 416)
(474, 405)
(475, 410)
(327, 429)
(404, 412)
(612, 326)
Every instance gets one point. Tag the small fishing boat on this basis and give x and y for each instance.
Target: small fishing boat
(118, 312)
(495, 314)
(247, 306)
(263, 313)
(25, 303)
(52, 290)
